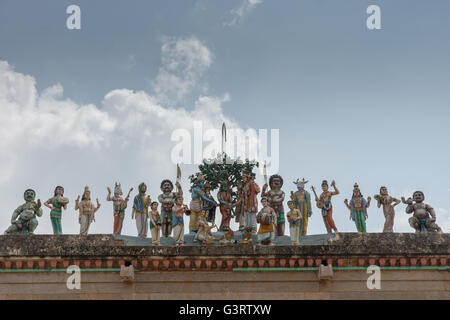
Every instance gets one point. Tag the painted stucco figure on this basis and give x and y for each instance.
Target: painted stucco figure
(56, 204)
(424, 217)
(239, 206)
(294, 217)
(155, 224)
(302, 201)
(140, 210)
(324, 203)
(250, 202)
(24, 218)
(275, 197)
(209, 204)
(388, 203)
(204, 233)
(198, 201)
(179, 210)
(358, 208)
(119, 206)
(167, 200)
(86, 210)
(226, 206)
(267, 219)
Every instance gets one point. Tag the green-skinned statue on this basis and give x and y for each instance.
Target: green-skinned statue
(24, 218)
(56, 204)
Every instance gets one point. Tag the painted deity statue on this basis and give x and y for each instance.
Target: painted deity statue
(424, 217)
(388, 203)
(358, 208)
(179, 209)
(204, 233)
(87, 210)
(324, 203)
(294, 217)
(119, 206)
(167, 200)
(267, 218)
(140, 210)
(302, 201)
(250, 202)
(209, 204)
(56, 204)
(155, 224)
(275, 197)
(226, 206)
(198, 201)
(24, 218)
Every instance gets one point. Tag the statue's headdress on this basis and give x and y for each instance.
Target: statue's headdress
(118, 189)
(301, 183)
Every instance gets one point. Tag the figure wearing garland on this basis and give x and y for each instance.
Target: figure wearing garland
(199, 200)
(250, 202)
(267, 218)
(179, 209)
(226, 205)
(424, 217)
(56, 204)
(167, 200)
(294, 218)
(24, 218)
(119, 206)
(302, 201)
(358, 208)
(87, 210)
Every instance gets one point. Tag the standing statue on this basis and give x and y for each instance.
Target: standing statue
(239, 206)
(23, 220)
(267, 218)
(358, 208)
(87, 210)
(424, 217)
(179, 209)
(389, 204)
(275, 197)
(302, 202)
(226, 205)
(119, 206)
(198, 202)
(155, 224)
(324, 203)
(140, 210)
(167, 200)
(250, 202)
(56, 204)
(209, 204)
(204, 233)
(294, 217)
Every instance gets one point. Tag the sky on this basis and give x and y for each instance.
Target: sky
(100, 104)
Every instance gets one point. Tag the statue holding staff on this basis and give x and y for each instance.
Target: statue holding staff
(324, 203)
(56, 204)
(87, 211)
(167, 200)
(119, 206)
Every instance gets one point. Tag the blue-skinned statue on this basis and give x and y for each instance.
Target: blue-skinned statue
(24, 218)
(199, 201)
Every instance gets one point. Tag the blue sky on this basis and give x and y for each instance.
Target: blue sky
(351, 104)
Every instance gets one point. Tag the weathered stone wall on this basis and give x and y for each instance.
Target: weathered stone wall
(413, 266)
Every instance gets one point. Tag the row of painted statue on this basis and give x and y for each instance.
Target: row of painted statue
(202, 210)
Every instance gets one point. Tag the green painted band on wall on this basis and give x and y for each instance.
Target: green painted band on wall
(410, 268)
(59, 270)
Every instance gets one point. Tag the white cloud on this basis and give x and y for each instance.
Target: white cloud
(239, 13)
(184, 61)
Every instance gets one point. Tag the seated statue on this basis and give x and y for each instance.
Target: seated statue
(424, 218)
(24, 219)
